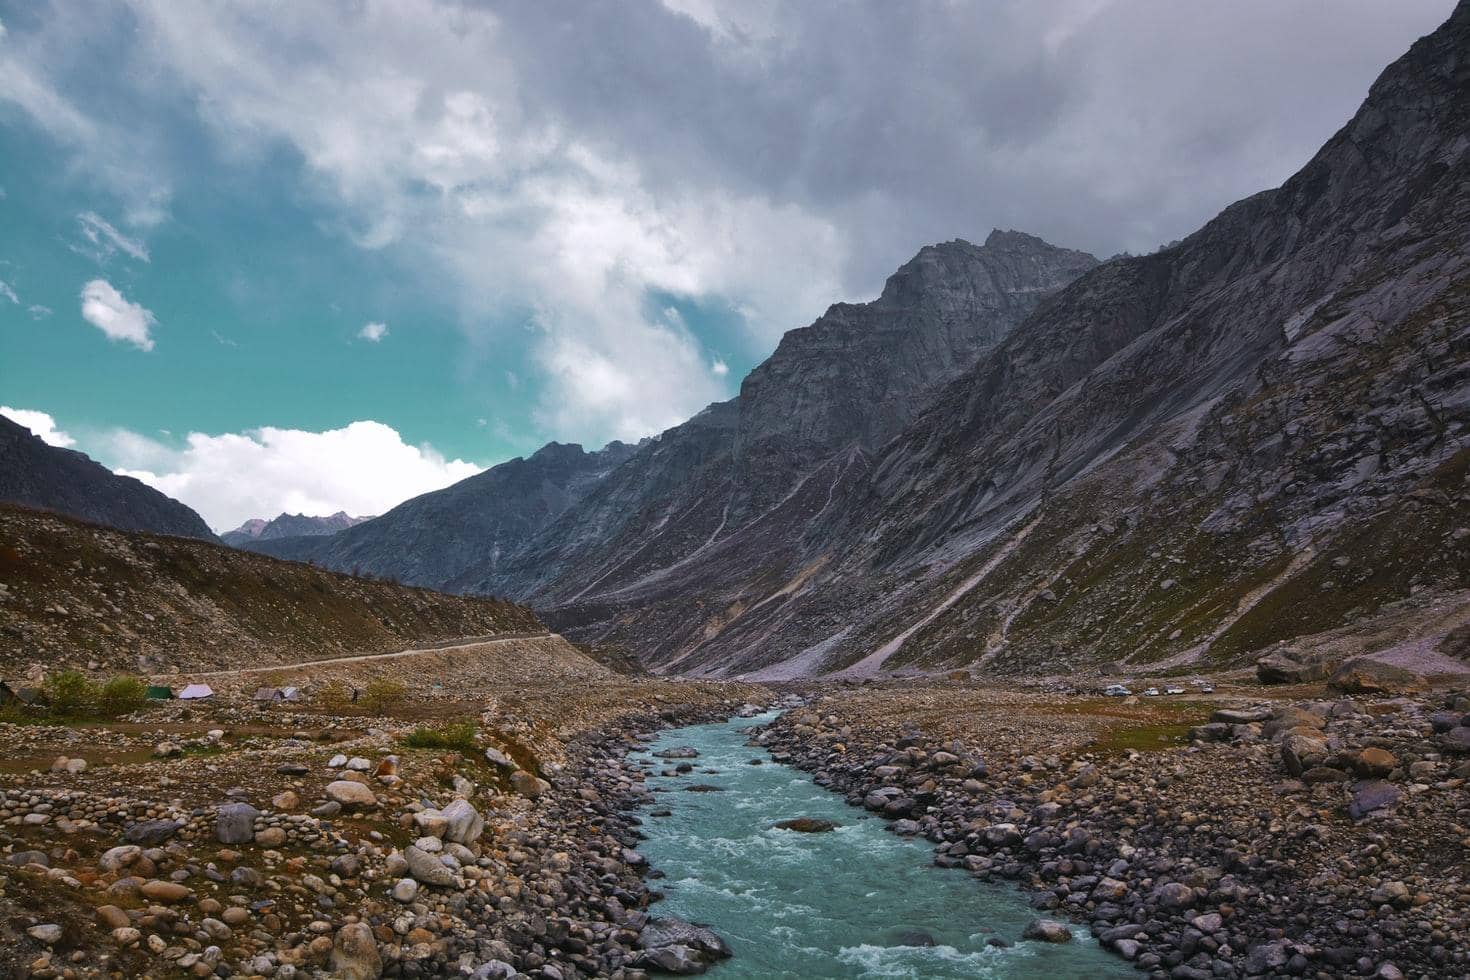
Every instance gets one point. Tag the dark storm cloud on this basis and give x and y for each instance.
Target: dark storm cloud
(1106, 125)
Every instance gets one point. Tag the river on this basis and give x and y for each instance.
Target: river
(854, 902)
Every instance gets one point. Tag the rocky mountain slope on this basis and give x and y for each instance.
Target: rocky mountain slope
(289, 526)
(1016, 460)
(73, 593)
(35, 474)
(432, 539)
(830, 394)
(1252, 436)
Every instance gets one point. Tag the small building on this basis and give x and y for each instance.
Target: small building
(196, 692)
(157, 692)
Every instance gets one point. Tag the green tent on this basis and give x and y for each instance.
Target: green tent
(156, 693)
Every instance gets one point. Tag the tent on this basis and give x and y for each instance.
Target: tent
(32, 696)
(196, 692)
(269, 694)
(290, 694)
(6, 694)
(157, 692)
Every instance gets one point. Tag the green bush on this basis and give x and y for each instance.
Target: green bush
(122, 695)
(380, 695)
(460, 737)
(70, 693)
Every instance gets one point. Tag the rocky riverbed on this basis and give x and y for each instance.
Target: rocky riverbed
(1319, 838)
(341, 850)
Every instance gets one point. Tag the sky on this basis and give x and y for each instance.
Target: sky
(274, 256)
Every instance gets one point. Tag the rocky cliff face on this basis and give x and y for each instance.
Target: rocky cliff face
(289, 526)
(68, 482)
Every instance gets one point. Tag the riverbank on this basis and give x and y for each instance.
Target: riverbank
(1304, 838)
(487, 834)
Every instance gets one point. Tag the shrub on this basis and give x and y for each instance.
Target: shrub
(70, 693)
(380, 695)
(460, 736)
(122, 695)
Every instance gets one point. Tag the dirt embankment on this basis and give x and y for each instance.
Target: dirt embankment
(74, 594)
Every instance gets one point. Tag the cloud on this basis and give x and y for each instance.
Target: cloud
(40, 424)
(719, 368)
(109, 311)
(6, 292)
(38, 312)
(363, 468)
(103, 241)
(758, 156)
(373, 332)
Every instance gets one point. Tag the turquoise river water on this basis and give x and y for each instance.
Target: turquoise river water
(837, 904)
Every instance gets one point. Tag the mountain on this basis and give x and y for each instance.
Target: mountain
(1020, 460)
(39, 475)
(1252, 437)
(288, 526)
(830, 394)
(432, 539)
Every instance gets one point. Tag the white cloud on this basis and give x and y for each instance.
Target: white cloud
(7, 292)
(719, 368)
(363, 468)
(40, 424)
(38, 312)
(109, 311)
(103, 241)
(373, 332)
(458, 160)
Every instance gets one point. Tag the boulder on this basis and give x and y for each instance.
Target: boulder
(806, 825)
(1370, 796)
(463, 823)
(151, 833)
(117, 858)
(235, 823)
(1365, 676)
(1456, 740)
(498, 758)
(355, 953)
(676, 946)
(1374, 763)
(1302, 752)
(348, 793)
(1047, 931)
(1289, 667)
(427, 868)
(164, 891)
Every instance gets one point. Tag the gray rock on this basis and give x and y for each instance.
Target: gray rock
(427, 868)
(235, 823)
(463, 823)
(1047, 931)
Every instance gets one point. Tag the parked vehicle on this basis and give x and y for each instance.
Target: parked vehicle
(1116, 691)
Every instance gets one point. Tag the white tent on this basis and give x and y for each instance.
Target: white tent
(196, 691)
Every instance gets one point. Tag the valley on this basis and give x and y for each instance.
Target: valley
(1046, 615)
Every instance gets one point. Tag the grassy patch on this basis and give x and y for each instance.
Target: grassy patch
(459, 737)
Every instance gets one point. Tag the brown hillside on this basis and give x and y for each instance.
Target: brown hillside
(74, 594)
